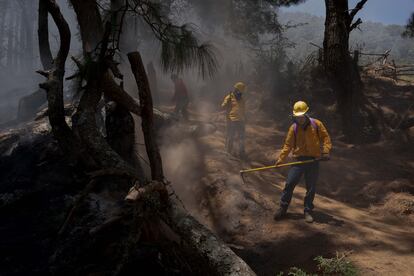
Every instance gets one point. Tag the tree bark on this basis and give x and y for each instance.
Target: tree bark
(120, 124)
(215, 255)
(358, 125)
(84, 120)
(15, 49)
(29, 105)
(43, 33)
(84, 123)
(147, 115)
(54, 84)
(115, 93)
(90, 22)
(10, 40)
(152, 77)
(22, 54)
(29, 29)
(3, 16)
(338, 62)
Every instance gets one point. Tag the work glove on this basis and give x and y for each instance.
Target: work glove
(325, 157)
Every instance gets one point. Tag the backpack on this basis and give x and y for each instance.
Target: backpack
(312, 123)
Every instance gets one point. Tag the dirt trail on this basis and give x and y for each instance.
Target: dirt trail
(241, 213)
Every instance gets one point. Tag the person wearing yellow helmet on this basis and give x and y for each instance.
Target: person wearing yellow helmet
(307, 139)
(234, 104)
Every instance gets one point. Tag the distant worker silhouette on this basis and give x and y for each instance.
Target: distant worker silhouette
(234, 104)
(180, 98)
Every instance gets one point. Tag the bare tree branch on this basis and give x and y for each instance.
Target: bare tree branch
(355, 10)
(54, 83)
(137, 193)
(147, 115)
(43, 33)
(355, 25)
(115, 93)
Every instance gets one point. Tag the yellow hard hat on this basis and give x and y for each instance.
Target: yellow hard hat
(240, 86)
(300, 108)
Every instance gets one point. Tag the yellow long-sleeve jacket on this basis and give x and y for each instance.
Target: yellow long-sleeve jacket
(235, 108)
(312, 141)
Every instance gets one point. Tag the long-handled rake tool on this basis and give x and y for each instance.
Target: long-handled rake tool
(278, 166)
(242, 172)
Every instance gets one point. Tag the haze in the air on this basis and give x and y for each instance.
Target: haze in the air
(384, 11)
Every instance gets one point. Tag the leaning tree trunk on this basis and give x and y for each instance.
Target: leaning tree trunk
(358, 124)
(120, 124)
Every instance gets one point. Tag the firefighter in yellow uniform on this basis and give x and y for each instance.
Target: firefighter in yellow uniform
(307, 139)
(234, 104)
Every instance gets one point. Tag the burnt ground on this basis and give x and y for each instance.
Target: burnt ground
(364, 203)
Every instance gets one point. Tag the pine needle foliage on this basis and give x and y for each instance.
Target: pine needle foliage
(180, 48)
(409, 28)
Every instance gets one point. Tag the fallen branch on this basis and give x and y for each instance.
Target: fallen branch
(215, 254)
(115, 93)
(137, 193)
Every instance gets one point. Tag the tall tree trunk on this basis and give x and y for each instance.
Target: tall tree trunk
(46, 57)
(16, 52)
(145, 99)
(27, 35)
(338, 62)
(3, 13)
(152, 78)
(120, 126)
(22, 54)
(10, 40)
(358, 124)
(54, 84)
(29, 105)
(90, 22)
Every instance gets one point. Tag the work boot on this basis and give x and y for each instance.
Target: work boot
(280, 213)
(308, 217)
